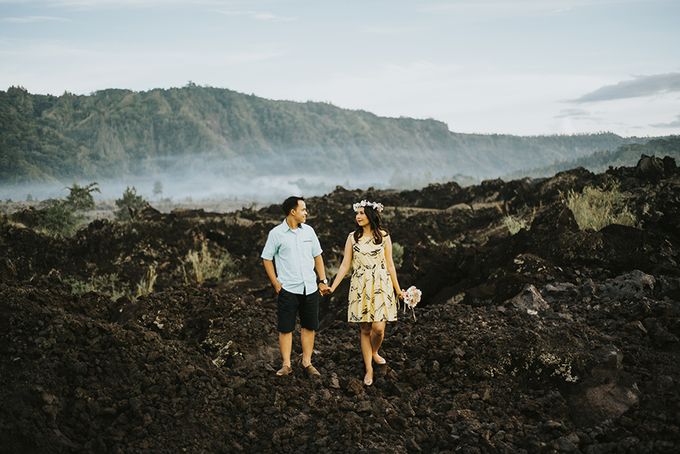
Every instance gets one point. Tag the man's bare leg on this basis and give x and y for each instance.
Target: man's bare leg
(307, 336)
(285, 345)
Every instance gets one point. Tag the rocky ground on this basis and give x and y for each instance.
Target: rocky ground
(550, 340)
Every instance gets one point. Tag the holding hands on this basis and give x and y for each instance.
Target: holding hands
(324, 289)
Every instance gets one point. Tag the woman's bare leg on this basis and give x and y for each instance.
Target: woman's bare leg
(367, 352)
(377, 336)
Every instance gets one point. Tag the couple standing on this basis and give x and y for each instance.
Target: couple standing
(299, 280)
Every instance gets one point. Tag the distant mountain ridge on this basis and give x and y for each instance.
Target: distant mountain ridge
(624, 156)
(114, 132)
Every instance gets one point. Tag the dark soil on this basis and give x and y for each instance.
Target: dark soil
(550, 340)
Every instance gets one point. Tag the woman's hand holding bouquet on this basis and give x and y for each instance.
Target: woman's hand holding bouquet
(411, 298)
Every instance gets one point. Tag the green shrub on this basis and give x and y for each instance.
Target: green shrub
(129, 203)
(60, 216)
(109, 285)
(106, 284)
(57, 218)
(595, 208)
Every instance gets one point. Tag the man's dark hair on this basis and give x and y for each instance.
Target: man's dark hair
(290, 203)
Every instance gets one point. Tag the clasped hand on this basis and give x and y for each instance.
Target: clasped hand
(324, 289)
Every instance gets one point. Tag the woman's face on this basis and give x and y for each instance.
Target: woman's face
(361, 218)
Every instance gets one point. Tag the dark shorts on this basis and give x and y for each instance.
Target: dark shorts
(290, 304)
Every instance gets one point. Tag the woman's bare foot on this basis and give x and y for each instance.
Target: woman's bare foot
(379, 359)
(368, 378)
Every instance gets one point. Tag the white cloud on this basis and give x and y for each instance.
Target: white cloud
(638, 87)
(630, 116)
(32, 19)
(475, 100)
(85, 69)
(391, 30)
(35, 51)
(481, 99)
(672, 124)
(120, 4)
(257, 15)
(516, 7)
(573, 113)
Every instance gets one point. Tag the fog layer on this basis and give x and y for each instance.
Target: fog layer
(259, 179)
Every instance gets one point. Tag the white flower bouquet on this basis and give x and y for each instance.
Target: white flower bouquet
(411, 298)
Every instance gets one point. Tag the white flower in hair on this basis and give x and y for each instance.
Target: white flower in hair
(365, 203)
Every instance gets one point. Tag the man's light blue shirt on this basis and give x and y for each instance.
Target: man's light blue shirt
(293, 252)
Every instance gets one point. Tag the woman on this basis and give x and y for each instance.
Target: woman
(374, 287)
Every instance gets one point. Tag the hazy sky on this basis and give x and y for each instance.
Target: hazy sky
(521, 67)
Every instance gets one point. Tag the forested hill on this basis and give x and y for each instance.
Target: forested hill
(625, 155)
(113, 133)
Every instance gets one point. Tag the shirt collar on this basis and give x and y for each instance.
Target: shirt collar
(286, 227)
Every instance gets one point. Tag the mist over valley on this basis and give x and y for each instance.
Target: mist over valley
(210, 143)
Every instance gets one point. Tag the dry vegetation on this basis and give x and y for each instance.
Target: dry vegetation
(597, 207)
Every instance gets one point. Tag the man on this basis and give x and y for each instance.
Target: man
(294, 247)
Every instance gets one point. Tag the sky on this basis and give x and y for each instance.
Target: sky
(525, 67)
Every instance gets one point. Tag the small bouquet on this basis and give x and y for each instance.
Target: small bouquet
(411, 299)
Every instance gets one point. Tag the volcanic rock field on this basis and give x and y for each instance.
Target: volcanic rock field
(552, 339)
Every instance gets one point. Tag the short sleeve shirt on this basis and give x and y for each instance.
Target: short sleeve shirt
(293, 252)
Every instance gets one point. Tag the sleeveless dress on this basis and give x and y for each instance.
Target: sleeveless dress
(371, 295)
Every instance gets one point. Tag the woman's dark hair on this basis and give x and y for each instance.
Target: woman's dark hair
(375, 221)
(290, 203)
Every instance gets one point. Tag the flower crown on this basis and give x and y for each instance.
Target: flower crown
(365, 203)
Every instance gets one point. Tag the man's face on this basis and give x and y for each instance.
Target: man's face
(300, 212)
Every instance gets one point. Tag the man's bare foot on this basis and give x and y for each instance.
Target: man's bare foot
(379, 359)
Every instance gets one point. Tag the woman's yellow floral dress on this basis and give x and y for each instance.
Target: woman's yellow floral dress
(371, 295)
